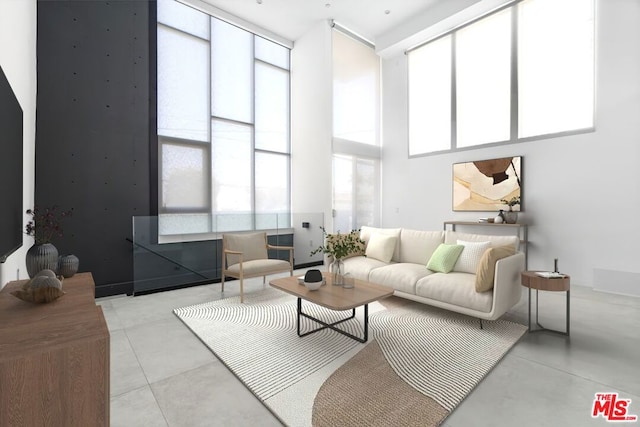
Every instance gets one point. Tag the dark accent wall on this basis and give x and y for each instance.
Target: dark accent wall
(94, 130)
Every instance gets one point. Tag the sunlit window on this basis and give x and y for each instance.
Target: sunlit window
(469, 98)
(555, 66)
(483, 81)
(430, 97)
(356, 133)
(223, 124)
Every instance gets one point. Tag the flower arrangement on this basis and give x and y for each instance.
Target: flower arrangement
(512, 202)
(339, 245)
(45, 223)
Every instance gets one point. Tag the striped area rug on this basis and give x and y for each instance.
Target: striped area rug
(418, 365)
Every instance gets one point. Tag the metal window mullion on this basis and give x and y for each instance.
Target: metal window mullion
(210, 126)
(176, 140)
(454, 94)
(262, 61)
(514, 75)
(253, 133)
(354, 192)
(171, 27)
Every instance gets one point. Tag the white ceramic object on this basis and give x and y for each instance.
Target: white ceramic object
(313, 286)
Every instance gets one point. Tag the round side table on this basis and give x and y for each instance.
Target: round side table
(533, 280)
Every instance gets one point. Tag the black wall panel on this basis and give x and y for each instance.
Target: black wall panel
(93, 129)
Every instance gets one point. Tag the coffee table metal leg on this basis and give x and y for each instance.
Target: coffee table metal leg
(331, 326)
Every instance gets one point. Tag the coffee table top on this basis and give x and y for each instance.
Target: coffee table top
(334, 297)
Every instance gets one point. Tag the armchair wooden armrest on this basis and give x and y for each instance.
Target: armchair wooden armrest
(228, 251)
(284, 248)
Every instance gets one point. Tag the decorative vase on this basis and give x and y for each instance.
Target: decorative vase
(511, 217)
(336, 269)
(68, 265)
(41, 257)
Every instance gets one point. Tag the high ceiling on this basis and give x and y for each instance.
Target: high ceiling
(293, 18)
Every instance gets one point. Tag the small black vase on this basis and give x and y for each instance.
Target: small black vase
(41, 257)
(68, 265)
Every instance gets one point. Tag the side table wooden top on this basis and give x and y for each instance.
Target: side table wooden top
(531, 280)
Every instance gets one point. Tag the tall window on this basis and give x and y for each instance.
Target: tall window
(356, 133)
(223, 124)
(476, 86)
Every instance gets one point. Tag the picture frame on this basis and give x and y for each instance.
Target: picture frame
(486, 185)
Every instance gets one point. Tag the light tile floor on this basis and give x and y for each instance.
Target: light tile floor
(162, 375)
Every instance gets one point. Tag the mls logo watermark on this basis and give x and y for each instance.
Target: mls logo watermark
(612, 409)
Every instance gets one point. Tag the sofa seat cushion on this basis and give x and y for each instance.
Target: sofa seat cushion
(359, 267)
(261, 267)
(401, 277)
(455, 288)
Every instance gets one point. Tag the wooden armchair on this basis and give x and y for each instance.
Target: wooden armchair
(245, 255)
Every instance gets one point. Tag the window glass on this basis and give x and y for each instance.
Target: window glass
(272, 53)
(184, 18)
(182, 85)
(343, 193)
(430, 97)
(554, 92)
(555, 66)
(356, 90)
(184, 176)
(483, 81)
(231, 72)
(272, 177)
(232, 166)
(223, 125)
(272, 108)
(366, 198)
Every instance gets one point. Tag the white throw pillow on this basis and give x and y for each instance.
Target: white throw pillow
(470, 256)
(381, 247)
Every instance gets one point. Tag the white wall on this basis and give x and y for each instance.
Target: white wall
(18, 60)
(580, 193)
(311, 130)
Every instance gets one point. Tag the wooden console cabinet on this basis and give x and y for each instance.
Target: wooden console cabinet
(54, 358)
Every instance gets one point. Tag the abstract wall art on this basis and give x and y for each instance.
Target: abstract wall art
(481, 185)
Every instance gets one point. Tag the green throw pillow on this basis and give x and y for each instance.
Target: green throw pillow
(444, 258)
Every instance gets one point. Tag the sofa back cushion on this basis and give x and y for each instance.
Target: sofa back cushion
(444, 258)
(452, 237)
(470, 256)
(417, 246)
(381, 247)
(366, 233)
(487, 266)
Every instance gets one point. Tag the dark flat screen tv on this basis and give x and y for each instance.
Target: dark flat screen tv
(11, 215)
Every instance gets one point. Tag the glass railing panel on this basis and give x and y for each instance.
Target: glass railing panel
(176, 250)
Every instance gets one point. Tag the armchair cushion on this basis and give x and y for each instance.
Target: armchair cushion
(260, 267)
(252, 245)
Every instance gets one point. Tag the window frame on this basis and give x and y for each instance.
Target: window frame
(209, 146)
(514, 138)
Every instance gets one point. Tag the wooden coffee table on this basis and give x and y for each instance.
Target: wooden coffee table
(334, 298)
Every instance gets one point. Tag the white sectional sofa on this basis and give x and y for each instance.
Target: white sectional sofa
(407, 271)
